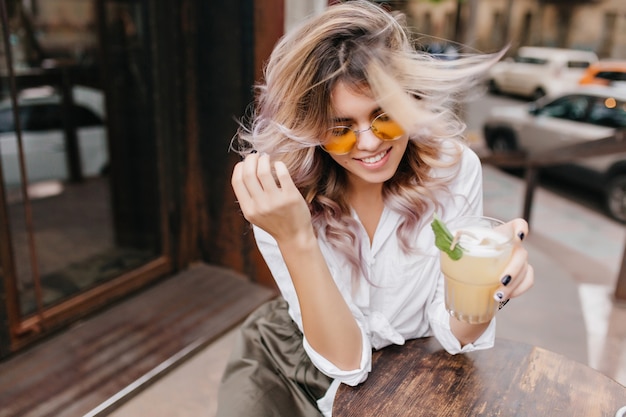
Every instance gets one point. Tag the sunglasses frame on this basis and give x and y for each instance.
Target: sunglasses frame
(357, 132)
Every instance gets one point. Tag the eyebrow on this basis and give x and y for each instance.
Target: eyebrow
(377, 110)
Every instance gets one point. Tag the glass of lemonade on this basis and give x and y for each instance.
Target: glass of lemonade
(471, 281)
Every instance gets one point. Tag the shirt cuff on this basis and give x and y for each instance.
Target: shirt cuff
(441, 329)
(353, 377)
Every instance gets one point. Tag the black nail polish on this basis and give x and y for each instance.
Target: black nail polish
(505, 280)
(521, 235)
(253, 151)
(499, 296)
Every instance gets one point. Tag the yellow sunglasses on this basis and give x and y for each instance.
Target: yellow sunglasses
(341, 139)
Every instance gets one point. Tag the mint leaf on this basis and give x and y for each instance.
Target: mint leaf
(443, 239)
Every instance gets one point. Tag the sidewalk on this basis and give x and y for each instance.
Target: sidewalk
(576, 254)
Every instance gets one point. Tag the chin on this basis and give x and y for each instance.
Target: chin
(373, 178)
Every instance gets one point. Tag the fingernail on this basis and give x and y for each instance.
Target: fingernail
(505, 280)
(521, 235)
(499, 296)
(253, 151)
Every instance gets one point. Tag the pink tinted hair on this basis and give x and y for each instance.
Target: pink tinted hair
(366, 48)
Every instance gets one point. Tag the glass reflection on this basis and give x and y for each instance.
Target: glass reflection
(89, 222)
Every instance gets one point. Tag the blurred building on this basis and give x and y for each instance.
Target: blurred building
(487, 25)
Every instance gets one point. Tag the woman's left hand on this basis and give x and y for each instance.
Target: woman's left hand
(518, 276)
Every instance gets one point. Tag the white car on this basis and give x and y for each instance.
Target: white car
(538, 71)
(43, 136)
(584, 114)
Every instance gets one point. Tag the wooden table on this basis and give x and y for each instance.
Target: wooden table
(511, 379)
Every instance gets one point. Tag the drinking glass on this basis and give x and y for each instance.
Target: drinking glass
(471, 281)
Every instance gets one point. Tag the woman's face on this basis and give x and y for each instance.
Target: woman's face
(372, 161)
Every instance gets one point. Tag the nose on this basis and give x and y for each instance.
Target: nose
(367, 140)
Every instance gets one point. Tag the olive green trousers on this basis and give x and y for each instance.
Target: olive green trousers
(269, 374)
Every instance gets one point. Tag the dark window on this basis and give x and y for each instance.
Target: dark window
(608, 112)
(568, 107)
(578, 64)
(6, 121)
(530, 60)
(612, 75)
(42, 117)
(84, 117)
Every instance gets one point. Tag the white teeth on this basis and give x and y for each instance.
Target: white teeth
(375, 158)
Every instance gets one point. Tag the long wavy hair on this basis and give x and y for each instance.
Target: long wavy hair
(361, 45)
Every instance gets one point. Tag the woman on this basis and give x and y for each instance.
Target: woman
(352, 149)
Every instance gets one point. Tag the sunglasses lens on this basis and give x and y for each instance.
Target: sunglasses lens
(385, 128)
(340, 140)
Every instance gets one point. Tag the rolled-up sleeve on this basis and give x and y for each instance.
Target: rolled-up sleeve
(352, 377)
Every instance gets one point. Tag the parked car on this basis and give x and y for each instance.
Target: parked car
(581, 115)
(43, 137)
(605, 73)
(538, 71)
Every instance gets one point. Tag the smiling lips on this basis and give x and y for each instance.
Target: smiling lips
(375, 158)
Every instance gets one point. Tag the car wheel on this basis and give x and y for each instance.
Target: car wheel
(502, 141)
(538, 93)
(616, 197)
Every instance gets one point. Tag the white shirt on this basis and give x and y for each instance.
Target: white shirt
(404, 298)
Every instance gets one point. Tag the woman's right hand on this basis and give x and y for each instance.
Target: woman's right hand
(271, 202)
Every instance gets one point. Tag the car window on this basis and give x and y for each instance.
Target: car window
(530, 60)
(42, 117)
(608, 112)
(572, 107)
(578, 64)
(612, 75)
(84, 117)
(6, 121)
